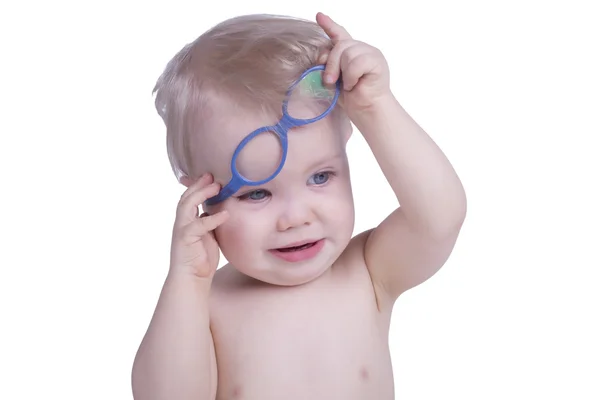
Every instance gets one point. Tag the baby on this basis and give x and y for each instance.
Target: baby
(258, 111)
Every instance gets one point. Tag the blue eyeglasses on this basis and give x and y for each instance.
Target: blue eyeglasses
(296, 112)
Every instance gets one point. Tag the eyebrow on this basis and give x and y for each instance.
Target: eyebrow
(312, 167)
(326, 160)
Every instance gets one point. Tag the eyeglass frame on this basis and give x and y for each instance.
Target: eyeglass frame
(281, 129)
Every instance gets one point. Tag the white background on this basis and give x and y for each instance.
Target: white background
(509, 90)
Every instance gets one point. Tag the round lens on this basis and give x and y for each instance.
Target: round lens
(310, 98)
(260, 157)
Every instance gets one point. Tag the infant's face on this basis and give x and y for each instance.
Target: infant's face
(310, 200)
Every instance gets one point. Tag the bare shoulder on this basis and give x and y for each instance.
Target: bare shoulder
(223, 277)
(352, 264)
(355, 251)
(224, 282)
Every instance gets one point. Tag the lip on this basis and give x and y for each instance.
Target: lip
(296, 244)
(300, 255)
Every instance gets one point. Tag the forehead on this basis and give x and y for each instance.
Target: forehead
(260, 157)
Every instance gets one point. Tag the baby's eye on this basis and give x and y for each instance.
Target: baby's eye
(320, 178)
(255, 195)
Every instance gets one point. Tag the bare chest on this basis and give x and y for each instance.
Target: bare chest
(300, 345)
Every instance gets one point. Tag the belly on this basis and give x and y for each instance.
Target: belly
(321, 341)
(305, 363)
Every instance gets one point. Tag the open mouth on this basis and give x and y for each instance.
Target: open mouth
(300, 251)
(297, 248)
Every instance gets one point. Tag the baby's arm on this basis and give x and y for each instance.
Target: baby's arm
(176, 359)
(417, 238)
(413, 242)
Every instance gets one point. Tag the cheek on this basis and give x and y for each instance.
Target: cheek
(232, 232)
(340, 207)
(239, 234)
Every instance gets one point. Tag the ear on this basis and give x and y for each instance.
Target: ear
(185, 181)
(347, 129)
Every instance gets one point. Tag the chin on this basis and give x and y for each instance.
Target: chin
(281, 273)
(301, 276)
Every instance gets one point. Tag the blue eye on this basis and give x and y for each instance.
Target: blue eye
(320, 178)
(255, 195)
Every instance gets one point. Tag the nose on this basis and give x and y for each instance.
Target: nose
(295, 213)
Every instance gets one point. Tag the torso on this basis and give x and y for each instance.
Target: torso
(323, 340)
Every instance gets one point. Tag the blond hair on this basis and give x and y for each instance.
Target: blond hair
(248, 61)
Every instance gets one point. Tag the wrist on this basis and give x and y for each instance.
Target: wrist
(186, 278)
(381, 109)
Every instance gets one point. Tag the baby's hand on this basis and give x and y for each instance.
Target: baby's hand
(364, 70)
(194, 249)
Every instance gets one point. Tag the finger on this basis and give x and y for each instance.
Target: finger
(333, 67)
(335, 31)
(355, 63)
(204, 180)
(187, 209)
(322, 59)
(203, 226)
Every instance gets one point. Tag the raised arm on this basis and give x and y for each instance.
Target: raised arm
(412, 243)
